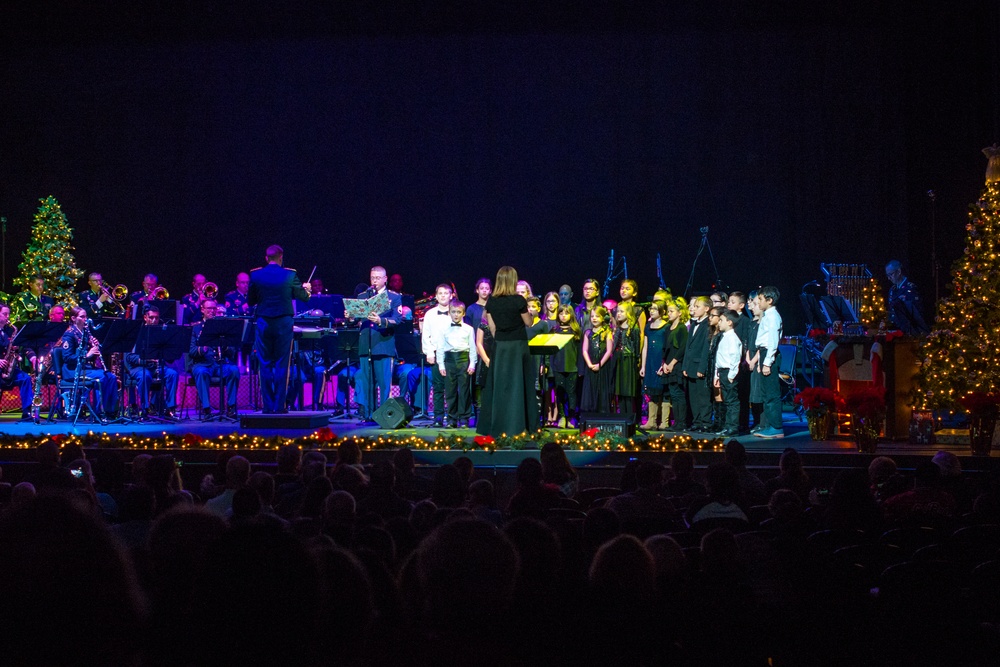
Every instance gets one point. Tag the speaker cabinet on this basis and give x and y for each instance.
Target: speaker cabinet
(393, 413)
(611, 424)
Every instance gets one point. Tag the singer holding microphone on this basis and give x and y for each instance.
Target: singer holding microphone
(272, 289)
(377, 347)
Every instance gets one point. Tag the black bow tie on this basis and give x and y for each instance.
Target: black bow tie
(441, 312)
(456, 325)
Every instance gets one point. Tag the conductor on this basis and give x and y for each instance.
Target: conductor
(272, 289)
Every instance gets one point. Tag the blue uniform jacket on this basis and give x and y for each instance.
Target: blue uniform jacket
(272, 289)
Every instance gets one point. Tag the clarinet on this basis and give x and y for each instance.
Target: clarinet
(79, 372)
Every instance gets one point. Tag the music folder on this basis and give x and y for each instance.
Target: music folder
(549, 343)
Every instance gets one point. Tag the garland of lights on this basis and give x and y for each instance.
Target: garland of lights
(324, 438)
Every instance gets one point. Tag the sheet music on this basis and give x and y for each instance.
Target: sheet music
(360, 309)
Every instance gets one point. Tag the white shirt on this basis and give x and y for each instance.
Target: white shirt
(728, 354)
(460, 338)
(769, 334)
(435, 320)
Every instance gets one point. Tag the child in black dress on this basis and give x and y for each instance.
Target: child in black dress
(628, 347)
(598, 353)
(564, 365)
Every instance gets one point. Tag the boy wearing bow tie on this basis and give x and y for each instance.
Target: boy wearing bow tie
(435, 321)
(456, 361)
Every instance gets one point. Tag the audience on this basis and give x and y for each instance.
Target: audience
(363, 576)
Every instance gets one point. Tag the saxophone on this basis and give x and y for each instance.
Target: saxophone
(10, 356)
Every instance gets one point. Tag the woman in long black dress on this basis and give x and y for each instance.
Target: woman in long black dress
(509, 403)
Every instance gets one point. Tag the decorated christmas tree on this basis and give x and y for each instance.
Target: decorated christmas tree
(50, 254)
(872, 305)
(961, 355)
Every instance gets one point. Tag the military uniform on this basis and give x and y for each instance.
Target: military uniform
(90, 301)
(26, 307)
(207, 363)
(15, 377)
(75, 348)
(272, 289)
(236, 304)
(192, 306)
(905, 309)
(378, 340)
(141, 371)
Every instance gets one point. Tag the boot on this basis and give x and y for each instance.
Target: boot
(653, 421)
(665, 415)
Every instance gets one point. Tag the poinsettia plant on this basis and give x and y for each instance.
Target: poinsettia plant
(867, 403)
(818, 401)
(980, 402)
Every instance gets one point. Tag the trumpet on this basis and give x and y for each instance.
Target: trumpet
(209, 291)
(160, 294)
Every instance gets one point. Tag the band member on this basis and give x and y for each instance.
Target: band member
(378, 347)
(317, 286)
(57, 314)
(77, 350)
(209, 362)
(32, 305)
(11, 374)
(272, 289)
(192, 302)
(236, 301)
(96, 300)
(905, 309)
(145, 371)
(396, 283)
(149, 284)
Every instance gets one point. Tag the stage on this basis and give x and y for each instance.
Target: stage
(199, 443)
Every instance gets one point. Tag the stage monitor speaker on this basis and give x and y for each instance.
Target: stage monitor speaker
(623, 425)
(394, 413)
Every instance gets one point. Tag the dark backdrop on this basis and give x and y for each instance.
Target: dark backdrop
(443, 141)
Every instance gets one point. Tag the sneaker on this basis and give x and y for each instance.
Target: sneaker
(757, 429)
(770, 433)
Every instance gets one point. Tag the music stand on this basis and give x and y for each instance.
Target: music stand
(119, 338)
(38, 336)
(221, 333)
(162, 343)
(344, 346)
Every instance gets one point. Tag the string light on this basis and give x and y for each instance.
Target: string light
(325, 439)
(960, 356)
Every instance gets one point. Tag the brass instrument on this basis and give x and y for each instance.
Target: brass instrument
(10, 356)
(159, 294)
(209, 291)
(119, 293)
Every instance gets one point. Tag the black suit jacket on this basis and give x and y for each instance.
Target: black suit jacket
(696, 354)
(272, 289)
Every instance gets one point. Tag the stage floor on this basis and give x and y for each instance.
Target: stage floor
(796, 433)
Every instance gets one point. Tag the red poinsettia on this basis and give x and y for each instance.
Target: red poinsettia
(868, 403)
(484, 440)
(819, 400)
(58, 438)
(980, 401)
(192, 439)
(591, 432)
(325, 434)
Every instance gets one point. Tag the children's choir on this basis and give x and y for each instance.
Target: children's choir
(704, 367)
